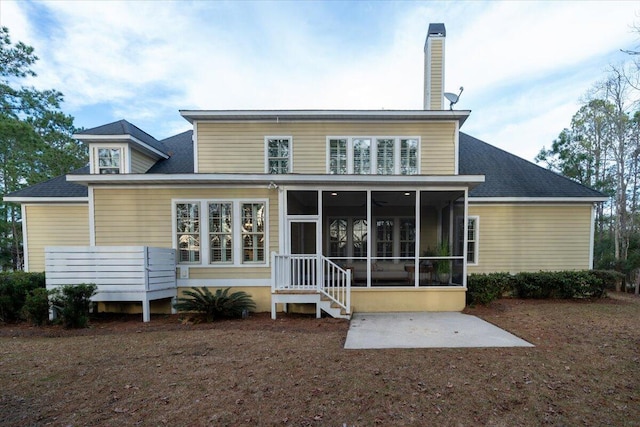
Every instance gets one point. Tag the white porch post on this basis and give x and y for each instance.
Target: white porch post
(466, 237)
(416, 275)
(369, 237)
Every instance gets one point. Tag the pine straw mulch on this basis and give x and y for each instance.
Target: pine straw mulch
(584, 370)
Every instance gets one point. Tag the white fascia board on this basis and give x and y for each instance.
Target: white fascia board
(329, 115)
(127, 138)
(537, 199)
(292, 179)
(47, 199)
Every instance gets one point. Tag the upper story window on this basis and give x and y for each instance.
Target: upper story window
(109, 160)
(369, 155)
(338, 156)
(361, 156)
(278, 155)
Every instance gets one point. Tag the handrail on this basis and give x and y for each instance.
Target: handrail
(337, 284)
(311, 273)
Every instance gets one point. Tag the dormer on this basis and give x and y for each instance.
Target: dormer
(121, 148)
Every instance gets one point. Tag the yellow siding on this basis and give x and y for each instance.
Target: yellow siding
(54, 225)
(437, 75)
(248, 273)
(428, 230)
(240, 148)
(143, 217)
(514, 238)
(140, 163)
(421, 299)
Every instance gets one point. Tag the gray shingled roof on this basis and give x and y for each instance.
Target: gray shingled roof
(55, 187)
(507, 175)
(180, 150)
(123, 127)
(179, 147)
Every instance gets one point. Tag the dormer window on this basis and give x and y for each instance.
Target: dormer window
(109, 160)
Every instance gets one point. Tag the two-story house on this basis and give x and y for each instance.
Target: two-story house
(375, 210)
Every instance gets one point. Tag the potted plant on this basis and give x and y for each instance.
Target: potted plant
(443, 266)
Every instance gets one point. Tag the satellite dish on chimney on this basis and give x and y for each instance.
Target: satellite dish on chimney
(453, 98)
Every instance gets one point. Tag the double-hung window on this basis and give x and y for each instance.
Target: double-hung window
(338, 156)
(278, 155)
(409, 156)
(364, 155)
(407, 237)
(221, 232)
(472, 239)
(385, 156)
(109, 160)
(188, 232)
(253, 232)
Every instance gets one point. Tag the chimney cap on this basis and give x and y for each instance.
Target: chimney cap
(437, 29)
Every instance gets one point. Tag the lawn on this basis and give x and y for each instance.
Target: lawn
(584, 370)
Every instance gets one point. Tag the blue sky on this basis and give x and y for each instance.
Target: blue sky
(524, 65)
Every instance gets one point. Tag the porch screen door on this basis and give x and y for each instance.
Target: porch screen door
(303, 241)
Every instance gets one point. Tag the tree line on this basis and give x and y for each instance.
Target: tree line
(35, 140)
(601, 149)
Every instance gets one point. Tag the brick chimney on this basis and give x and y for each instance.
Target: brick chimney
(434, 67)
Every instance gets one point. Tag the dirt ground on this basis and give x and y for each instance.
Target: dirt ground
(584, 370)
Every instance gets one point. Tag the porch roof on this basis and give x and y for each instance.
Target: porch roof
(272, 181)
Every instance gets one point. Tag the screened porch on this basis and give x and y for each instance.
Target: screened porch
(385, 238)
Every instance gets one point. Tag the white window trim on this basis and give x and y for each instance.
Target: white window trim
(476, 243)
(125, 158)
(233, 232)
(236, 235)
(266, 151)
(374, 152)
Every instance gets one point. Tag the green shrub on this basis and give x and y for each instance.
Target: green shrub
(36, 306)
(558, 284)
(609, 278)
(484, 288)
(14, 288)
(72, 303)
(214, 305)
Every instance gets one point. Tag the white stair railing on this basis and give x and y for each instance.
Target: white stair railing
(311, 273)
(336, 284)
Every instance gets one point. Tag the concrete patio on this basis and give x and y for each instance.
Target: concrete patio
(426, 330)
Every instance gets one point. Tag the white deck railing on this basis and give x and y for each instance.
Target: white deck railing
(316, 273)
(121, 273)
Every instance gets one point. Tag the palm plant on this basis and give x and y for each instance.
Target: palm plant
(443, 267)
(215, 305)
